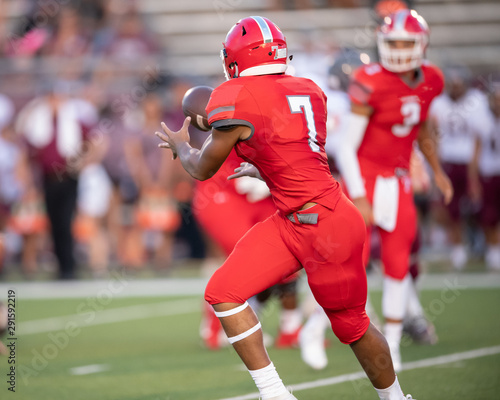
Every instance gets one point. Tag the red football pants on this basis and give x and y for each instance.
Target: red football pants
(229, 215)
(396, 245)
(329, 251)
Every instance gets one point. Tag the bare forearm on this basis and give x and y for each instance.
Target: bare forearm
(190, 160)
(428, 146)
(202, 164)
(429, 150)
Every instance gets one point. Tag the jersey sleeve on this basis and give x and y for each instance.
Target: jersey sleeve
(229, 105)
(362, 85)
(435, 80)
(434, 107)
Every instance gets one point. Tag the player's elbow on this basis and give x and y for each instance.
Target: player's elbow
(202, 175)
(199, 176)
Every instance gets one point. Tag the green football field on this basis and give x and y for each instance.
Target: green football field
(148, 348)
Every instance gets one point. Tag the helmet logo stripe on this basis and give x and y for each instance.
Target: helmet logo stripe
(264, 28)
(399, 24)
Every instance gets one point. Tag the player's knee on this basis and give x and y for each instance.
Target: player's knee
(213, 291)
(397, 273)
(218, 290)
(350, 326)
(397, 267)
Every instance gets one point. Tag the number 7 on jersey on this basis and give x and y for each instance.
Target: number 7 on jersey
(302, 104)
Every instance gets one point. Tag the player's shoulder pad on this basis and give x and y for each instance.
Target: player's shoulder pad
(226, 92)
(433, 74)
(223, 98)
(367, 71)
(364, 82)
(312, 84)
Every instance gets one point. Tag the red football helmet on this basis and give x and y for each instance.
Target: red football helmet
(254, 46)
(403, 25)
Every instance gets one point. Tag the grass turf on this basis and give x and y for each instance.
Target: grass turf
(161, 358)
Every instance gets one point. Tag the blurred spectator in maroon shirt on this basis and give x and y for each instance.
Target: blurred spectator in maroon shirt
(67, 38)
(126, 238)
(21, 207)
(131, 40)
(154, 175)
(56, 129)
(9, 156)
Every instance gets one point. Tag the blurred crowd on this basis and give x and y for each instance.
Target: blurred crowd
(83, 186)
(81, 179)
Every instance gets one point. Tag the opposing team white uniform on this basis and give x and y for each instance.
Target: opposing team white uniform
(458, 124)
(339, 108)
(489, 160)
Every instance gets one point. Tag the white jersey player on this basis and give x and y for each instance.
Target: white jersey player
(456, 117)
(485, 177)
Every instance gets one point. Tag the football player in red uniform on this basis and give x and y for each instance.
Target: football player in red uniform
(390, 101)
(226, 210)
(277, 123)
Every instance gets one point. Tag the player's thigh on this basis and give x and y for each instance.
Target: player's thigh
(397, 245)
(259, 260)
(335, 269)
(331, 254)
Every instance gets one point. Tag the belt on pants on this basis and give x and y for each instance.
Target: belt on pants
(311, 218)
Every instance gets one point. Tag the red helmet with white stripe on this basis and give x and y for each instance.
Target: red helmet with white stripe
(403, 25)
(254, 46)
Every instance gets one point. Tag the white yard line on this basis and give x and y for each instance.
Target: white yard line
(428, 362)
(87, 316)
(96, 295)
(89, 369)
(120, 285)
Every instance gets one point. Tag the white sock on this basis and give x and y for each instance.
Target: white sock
(290, 320)
(395, 297)
(393, 332)
(393, 392)
(268, 382)
(318, 321)
(492, 257)
(414, 308)
(458, 256)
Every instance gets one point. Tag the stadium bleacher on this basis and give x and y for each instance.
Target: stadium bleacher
(463, 31)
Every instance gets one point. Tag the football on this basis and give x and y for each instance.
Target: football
(193, 104)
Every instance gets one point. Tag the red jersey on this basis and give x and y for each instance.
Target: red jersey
(287, 116)
(398, 112)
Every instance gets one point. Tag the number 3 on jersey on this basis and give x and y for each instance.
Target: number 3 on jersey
(302, 104)
(411, 112)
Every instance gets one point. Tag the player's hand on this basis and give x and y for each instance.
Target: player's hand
(444, 185)
(246, 169)
(174, 139)
(365, 208)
